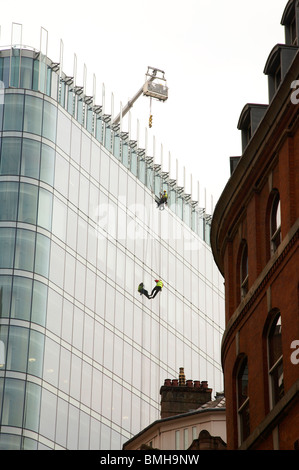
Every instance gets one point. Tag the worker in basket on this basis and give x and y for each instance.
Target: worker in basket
(156, 289)
(141, 290)
(163, 198)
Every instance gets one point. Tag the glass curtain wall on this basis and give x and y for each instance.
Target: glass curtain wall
(79, 230)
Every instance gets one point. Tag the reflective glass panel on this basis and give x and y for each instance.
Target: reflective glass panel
(21, 298)
(39, 303)
(24, 254)
(18, 342)
(8, 201)
(33, 114)
(133, 158)
(28, 203)
(32, 406)
(13, 112)
(5, 295)
(30, 163)
(49, 121)
(42, 255)
(26, 72)
(14, 67)
(47, 164)
(13, 403)
(45, 203)
(7, 243)
(10, 156)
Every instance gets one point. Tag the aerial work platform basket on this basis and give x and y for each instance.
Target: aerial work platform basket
(155, 85)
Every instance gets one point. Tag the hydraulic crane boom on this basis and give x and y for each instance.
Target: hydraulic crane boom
(157, 91)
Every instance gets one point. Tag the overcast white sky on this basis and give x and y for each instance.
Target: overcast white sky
(213, 53)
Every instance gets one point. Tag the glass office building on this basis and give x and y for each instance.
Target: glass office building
(82, 353)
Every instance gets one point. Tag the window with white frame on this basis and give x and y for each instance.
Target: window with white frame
(275, 362)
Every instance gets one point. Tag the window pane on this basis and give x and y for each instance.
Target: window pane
(36, 353)
(49, 121)
(32, 406)
(39, 303)
(243, 383)
(63, 132)
(26, 72)
(7, 243)
(33, 114)
(275, 344)
(13, 403)
(28, 204)
(5, 295)
(45, 203)
(8, 201)
(21, 298)
(24, 256)
(42, 255)
(14, 67)
(30, 158)
(13, 112)
(10, 156)
(47, 164)
(17, 350)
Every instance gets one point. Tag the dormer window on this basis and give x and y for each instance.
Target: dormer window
(277, 77)
(293, 32)
(290, 22)
(277, 65)
(250, 117)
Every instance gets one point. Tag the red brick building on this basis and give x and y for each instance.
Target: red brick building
(255, 245)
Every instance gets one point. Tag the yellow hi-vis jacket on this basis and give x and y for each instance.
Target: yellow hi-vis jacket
(159, 284)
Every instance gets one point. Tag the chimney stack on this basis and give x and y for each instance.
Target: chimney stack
(181, 396)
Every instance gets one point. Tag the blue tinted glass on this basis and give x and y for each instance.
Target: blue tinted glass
(5, 73)
(116, 146)
(7, 244)
(32, 403)
(26, 73)
(8, 200)
(35, 74)
(36, 353)
(45, 203)
(13, 402)
(15, 68)
(13, 112)
(42, 255)
(5, 295)
(142, 171)
(108, 134)
(47, 164)
(39, 303)
(99, 130)
(28, 203)
(89, 120)
(24, 254)
(70, 102)
(62, 93)
(21, 298)
(33, 114)
(133, 162)
(125, 154)
(49, 121)
(80, 111)
(10, 156)
(30, 162)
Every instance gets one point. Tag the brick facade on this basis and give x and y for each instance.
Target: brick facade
(267, 169)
